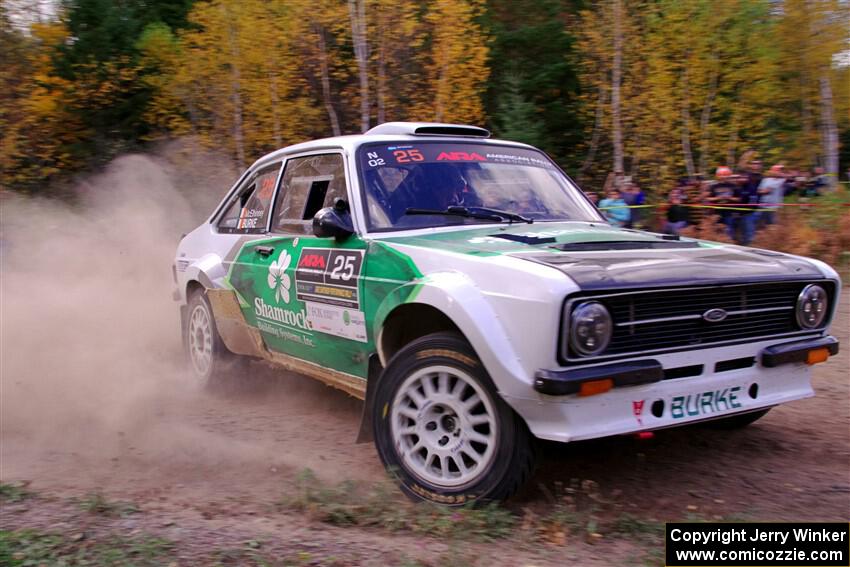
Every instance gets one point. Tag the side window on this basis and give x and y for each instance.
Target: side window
(308, 184)
(249, 210)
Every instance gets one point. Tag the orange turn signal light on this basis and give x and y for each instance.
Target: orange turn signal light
(593, 387)
(817, 355)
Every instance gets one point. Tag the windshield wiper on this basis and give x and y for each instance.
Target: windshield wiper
(512, 217)
(472, 213)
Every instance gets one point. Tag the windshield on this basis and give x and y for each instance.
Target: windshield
(403, 181)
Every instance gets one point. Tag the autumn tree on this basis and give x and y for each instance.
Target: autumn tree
(812, 33)
(455, 64)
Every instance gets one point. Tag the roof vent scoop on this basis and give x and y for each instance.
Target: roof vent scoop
(428, 129)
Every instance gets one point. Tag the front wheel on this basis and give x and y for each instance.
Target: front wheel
(442, 429)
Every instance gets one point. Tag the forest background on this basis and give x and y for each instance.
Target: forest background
(660, 89)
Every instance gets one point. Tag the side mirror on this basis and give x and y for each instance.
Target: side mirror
(333, 221)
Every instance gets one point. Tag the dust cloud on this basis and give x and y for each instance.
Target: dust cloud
(94, 388)
(89, 332)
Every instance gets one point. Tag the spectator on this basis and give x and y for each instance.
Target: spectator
(677, 214)
(817, 184)
(722, 194)
(771, 193)
(614, 208)
(696, 193)
(634, 197)
(592, 197)
(746, 193)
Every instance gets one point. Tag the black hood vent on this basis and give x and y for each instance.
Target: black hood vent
(625, 245)
(526, 239)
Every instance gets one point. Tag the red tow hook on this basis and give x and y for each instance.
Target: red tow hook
(644, 435)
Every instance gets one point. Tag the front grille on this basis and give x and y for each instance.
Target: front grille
(672, 319)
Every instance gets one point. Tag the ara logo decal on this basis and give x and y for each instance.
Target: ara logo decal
(460, 156)
(637, 409)
(278, 278)
(312, 261)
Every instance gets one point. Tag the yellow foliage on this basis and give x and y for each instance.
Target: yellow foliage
(456, 67)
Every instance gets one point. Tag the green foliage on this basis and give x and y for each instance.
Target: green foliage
(97, 503)
(31, 547)
(518, 119)
(14, 492)
(533, 88)
(349, 504)
(648, 531)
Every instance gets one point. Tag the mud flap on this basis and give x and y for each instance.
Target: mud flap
(366, 432)
(238, 337)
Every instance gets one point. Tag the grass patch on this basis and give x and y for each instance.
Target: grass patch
(31, 547)
(97, 503)
(15, 491)
(648, 531)
(352, 504)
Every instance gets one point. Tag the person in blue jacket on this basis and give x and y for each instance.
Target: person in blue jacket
(615, 209)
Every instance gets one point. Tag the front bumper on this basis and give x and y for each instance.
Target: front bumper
(649, 394)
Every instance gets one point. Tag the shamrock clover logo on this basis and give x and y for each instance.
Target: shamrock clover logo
(278, 278)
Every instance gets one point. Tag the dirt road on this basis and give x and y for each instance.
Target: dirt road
(210, 465)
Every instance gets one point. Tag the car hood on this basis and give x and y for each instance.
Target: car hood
(598, 256)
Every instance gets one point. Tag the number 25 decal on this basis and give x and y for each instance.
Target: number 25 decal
(407, 156)
(343, 268)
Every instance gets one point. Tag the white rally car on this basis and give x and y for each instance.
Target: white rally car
(467, 291)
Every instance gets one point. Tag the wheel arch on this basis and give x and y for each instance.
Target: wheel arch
(408, 322)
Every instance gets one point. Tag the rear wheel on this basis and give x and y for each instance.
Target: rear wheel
(443, 430)
(209, 359)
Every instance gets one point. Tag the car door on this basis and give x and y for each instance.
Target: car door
(245, 215)
(304, 293)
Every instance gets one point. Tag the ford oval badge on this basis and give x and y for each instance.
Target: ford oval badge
(714, 315)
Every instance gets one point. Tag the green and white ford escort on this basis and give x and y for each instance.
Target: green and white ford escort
(475, 299)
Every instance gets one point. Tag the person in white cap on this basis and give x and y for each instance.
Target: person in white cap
(771, 192)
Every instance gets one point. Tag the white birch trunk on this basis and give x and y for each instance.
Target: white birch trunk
(382, 79)
(597, 129)
(326, 84)
(829, 130)
(278, 138)
(686, 125)
(357, 15)
(615, 86)
(705, 120)
(235, 89)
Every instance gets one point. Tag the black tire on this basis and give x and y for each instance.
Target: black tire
(737, 421)
(222, 363)
(456, 375)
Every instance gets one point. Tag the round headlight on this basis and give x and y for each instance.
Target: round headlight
(590, 328)
(811, 307)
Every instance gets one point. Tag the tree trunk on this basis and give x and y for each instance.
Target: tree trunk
(686, 124)
(705, 120)
(615, 86)
(439, 109)
(326, 83)
(357, 15)
(597, 129)
(278, 138)
(382, 77)
(806, 117)
(829, 130)
(235, 90)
